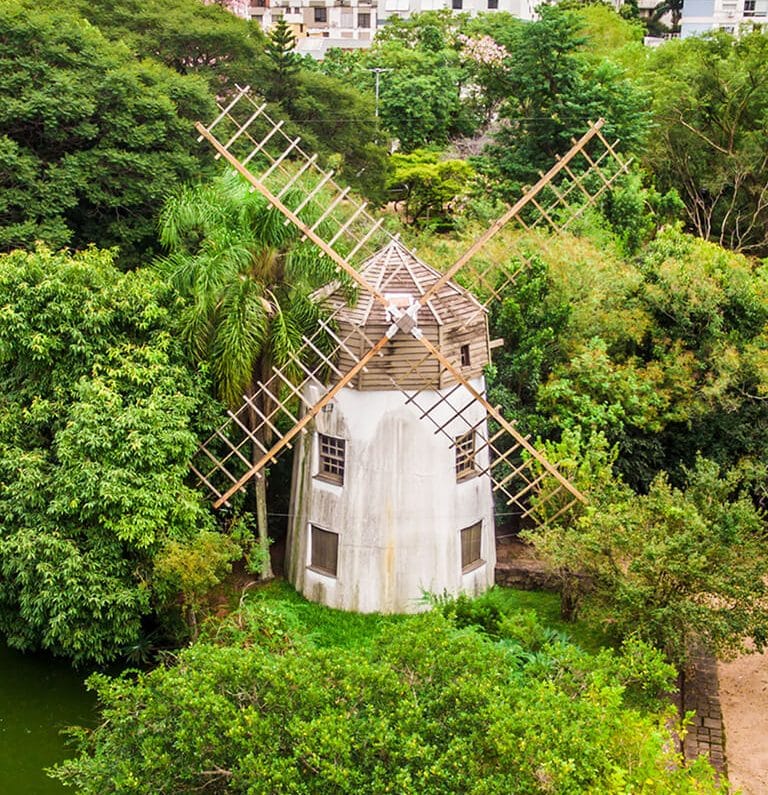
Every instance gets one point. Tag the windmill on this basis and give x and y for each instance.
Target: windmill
(399, 456)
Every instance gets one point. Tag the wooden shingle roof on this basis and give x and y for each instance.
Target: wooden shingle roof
(396, 270)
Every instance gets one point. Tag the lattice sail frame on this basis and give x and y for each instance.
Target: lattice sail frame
(283, 407)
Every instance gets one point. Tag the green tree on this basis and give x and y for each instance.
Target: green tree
(96, 431)
(710, 106)
(248, 282)
(531, 320)
(338, 121)
(553, 90)
(427, 183)
(193, 570)
(90, 140)
(677, 568)
(331, 115)
(428, 710)
(280, 49)
(187, 36)
(418, 109)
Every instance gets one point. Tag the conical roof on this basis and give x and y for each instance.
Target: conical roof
(396, 271)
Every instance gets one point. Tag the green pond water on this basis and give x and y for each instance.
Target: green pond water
(39, 695)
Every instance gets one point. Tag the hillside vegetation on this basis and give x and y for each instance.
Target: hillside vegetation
(143, 289)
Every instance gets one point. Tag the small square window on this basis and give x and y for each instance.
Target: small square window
(493, 5)
(464, 356)
(364, 21)
(324, 551)
(321, 15)
(470, 547)
(333, 453)
(457, 5)
(465, 455)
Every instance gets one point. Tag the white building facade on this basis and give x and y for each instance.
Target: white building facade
(346, 24)
(702, 16)
(522, 9)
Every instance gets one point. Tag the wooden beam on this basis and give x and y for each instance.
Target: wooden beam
(493, 412)
(513, 211)
(289, 214)
(300, 425)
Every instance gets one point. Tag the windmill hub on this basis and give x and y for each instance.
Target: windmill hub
(401, 312)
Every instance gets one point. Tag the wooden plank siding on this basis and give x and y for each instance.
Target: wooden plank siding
(453, 318)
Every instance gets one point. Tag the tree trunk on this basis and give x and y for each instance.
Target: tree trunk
(260, 488)
(194, 630)
(569, 595)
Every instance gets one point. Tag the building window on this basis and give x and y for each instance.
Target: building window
(364, 21)
(333, 453)
(464, 355)
(470, 547)
(324, 551)
(465, 455)
(457, 5)
(493, 5)
(321, 15)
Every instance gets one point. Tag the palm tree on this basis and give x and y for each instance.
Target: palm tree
(248, 282)
(672, 7)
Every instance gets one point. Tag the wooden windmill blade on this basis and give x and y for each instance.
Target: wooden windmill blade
(279, 410)
(290, 179)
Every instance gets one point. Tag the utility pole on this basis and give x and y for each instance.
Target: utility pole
(377, 70)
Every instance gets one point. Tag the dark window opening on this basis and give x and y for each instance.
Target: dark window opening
(364, 20)
(493, 5)
(470, 547)
(464, 355)
(457, 5)
(324, 552)
(333, 453)
(321, 15)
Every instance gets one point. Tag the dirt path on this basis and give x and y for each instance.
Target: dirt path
(744, 700)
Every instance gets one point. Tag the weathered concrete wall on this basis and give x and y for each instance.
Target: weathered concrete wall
(399, 512)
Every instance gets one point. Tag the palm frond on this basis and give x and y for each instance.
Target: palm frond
(239, 337)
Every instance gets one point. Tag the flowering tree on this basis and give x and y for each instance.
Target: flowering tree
(486, 61)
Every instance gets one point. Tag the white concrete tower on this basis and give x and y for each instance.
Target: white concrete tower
(386, 504)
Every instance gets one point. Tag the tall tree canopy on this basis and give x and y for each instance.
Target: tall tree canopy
(248, 283)
(332, 116)
(90, 139)
(711, 113)
(187, 36)
(95, 438)
(553, 90)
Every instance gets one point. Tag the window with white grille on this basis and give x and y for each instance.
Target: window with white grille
(333, 453)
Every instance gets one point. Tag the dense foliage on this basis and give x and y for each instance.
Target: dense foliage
(95, 437)
(711, 110)
(639, 350)
(428, 708)
(91, 139)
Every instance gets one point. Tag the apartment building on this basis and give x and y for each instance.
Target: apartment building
(321, 24)
(352, 21)
(523, 9)
(701, 16)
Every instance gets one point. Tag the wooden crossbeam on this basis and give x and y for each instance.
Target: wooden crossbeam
(278, 204)
(300, 425)
(513, 211)
(493, 412)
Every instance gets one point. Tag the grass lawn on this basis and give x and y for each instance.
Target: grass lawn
(326, 627)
